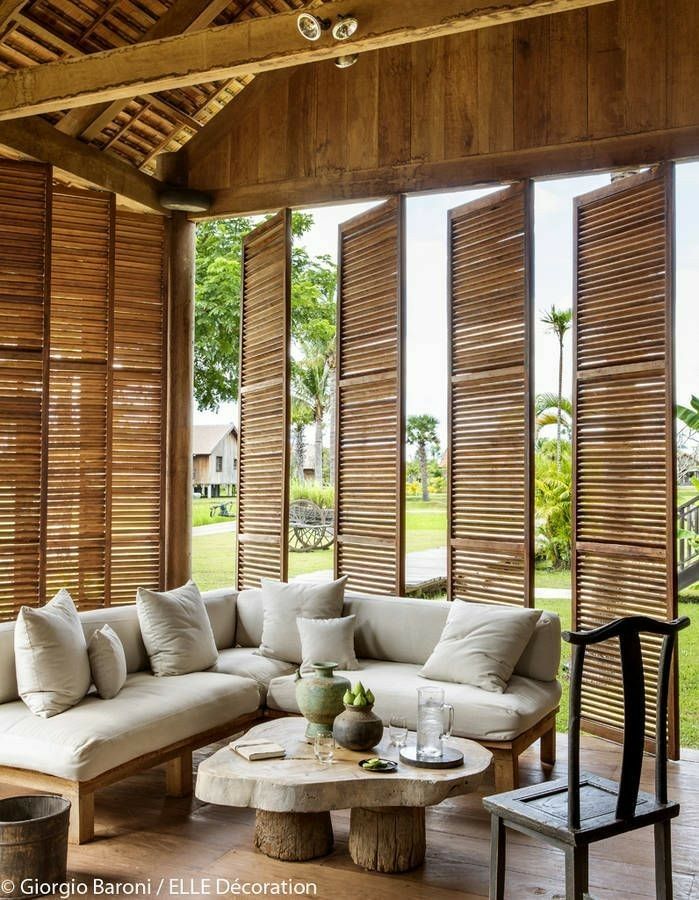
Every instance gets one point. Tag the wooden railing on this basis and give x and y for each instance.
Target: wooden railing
(688, 548)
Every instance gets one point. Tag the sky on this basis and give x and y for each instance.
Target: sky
(426, 331)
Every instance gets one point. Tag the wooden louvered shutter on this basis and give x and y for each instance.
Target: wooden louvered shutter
(25, 190)
(369, 486)
(624, 454)
(263, 468)
(80, 385)
(490, 505)
(138, 405)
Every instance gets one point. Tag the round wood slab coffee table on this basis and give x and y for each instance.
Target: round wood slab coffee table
(293, 797)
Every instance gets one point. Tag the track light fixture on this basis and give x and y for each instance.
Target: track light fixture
(344, 28)
(311, 27)
(344, 62)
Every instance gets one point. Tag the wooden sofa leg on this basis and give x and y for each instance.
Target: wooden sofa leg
(506, 771)
(81, 826)
(178, 775)
(547, 746)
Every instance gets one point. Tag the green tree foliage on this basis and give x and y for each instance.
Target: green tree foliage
(421, 433)
(552, 492)
(690, 414)
(217, 293)
(558, 322)
(311, 380)
(301, 416)
(550, 409)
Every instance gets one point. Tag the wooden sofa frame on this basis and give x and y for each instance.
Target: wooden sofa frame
(177, 758)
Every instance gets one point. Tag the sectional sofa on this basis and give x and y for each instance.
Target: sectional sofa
(162, 720)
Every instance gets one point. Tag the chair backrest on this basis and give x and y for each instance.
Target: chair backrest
(628, 631)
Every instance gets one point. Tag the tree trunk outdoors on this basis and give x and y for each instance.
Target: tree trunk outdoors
(319, 452)
(333, 426)
(299, 451)
(560, 392)
(424, 477)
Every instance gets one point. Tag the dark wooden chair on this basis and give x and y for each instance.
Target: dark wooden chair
(578, 811)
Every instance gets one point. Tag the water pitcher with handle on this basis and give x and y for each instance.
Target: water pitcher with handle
(431, 714)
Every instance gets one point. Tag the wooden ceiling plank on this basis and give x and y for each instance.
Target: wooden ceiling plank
(248, 47)
(9, 9)
(40, 140)
(183, 16)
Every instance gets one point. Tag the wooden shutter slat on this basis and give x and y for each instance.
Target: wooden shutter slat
(263, 467)
(369, 491)
(490, 395)
(624, 456)
(138, 418)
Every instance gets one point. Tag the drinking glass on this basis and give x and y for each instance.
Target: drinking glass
(398, 731)
(324, 748)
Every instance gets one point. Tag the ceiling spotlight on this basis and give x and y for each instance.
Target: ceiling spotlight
(344, 62)
(310, 26)
(344, 28)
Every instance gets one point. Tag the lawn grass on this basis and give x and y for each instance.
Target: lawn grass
(201, 510)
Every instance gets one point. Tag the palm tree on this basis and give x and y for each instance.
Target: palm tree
(421, 433)
(690, 414)
(311, 379)
(558, 322)
(550, 409)
(301, 416)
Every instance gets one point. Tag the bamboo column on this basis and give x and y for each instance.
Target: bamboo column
(180, 401)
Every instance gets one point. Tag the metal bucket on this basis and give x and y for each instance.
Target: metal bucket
(33, 843)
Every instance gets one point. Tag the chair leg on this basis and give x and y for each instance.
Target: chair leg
(498, 854)
(178, 775)
(547, 746)
(506, 767)
(663, 861)
(576, 872)
(81, 823)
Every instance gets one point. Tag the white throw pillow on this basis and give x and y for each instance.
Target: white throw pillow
(107, 662)
(283, 603)
(176, 630)
(481, 644)
(53, 669)
(327, 640)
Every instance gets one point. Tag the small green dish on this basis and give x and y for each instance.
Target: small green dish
(388, 765)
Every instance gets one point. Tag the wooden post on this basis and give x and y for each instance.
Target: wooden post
(180, 396)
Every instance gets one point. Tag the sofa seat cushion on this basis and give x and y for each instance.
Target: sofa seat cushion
(482, 715)
(246, 662)
(148, 714)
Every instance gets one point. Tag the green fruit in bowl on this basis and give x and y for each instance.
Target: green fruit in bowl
(369, 696)
(358, 689)
(348, 698)
(360, 700)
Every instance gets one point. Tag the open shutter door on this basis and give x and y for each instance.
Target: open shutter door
(25, 205)
(263, 470)
(369, 488)
(624, 442)
(490, 399)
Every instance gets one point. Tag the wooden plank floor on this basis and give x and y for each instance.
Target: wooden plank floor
(142, 835)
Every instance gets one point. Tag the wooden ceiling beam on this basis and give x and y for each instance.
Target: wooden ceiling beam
(83, 164)
(249, 47)
(181, 17)
(8, 10)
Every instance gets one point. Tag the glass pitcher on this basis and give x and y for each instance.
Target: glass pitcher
(430, 722)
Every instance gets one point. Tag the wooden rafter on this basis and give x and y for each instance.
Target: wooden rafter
(248, 47)
(42, 142)
(8, 9)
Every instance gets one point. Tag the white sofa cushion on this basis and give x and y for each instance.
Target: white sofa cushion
(282, 603)
(478, 714)
(148, 714)
(53, 670)
(176, 630)
(246, 662)
(481, 644)
(107, 662)
(327, 639)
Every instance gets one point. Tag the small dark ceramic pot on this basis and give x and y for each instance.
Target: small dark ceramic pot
(358, 728)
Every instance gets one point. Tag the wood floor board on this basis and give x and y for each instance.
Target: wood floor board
(142, 834)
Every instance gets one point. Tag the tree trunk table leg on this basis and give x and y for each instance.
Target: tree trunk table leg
(293, 837)
(388, 838)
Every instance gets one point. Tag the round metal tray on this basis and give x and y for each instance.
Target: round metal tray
(450, 759)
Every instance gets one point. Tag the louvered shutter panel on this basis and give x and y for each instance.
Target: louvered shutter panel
(369, 488)
(490, 503)
(263, 468)
(77, 533)
(24, 246)
(138, 405)
(624, 453)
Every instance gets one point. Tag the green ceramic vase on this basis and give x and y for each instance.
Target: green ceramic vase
(319, 697)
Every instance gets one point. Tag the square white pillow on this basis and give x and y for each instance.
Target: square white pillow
(107, 662)
(284, 603)
(176, 630)
(53, 669)
(481, 644)
(327, 640)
